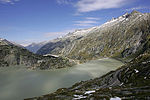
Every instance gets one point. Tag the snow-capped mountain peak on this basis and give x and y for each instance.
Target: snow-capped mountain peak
(35, 46)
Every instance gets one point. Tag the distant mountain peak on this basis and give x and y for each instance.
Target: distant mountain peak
(1, 39)
(5, 42)
(135, 12)
(33, 47)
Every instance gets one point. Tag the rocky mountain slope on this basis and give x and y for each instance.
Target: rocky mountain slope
(5, 42)
(11, 55)
(34, 47)
(129, 82)
(63, 44)
(122, 37)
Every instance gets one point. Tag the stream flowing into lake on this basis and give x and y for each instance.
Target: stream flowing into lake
(17, 82)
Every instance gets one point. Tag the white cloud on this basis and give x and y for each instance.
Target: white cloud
(89, 21)
(8, 1)
(93, 5)
(5, 1)
(92, 18)
(64, 1)
(85, 23)
(25, 42)
(54, 35)
(45, 37)
(137, 8)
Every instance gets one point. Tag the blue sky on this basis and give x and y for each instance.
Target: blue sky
(27, 21)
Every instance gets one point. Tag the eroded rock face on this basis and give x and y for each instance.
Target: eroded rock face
(122, 37)
(130, 81)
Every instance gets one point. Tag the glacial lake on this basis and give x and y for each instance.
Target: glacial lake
(17, 82)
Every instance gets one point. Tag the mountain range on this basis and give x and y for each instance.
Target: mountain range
(121, 37)
(34, 47)
(126, 38)
(12, 55)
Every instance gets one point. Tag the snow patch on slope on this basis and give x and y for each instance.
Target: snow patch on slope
(81, 32)
(115, 21)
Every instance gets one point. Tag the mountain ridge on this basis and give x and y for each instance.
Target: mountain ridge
(121, 37)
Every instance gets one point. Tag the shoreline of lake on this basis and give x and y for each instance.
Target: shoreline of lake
(19, 83)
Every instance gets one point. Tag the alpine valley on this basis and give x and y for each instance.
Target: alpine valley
(124, 40)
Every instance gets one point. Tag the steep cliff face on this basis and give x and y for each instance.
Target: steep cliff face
(122, 37)
(13, 55)
(129, 82)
